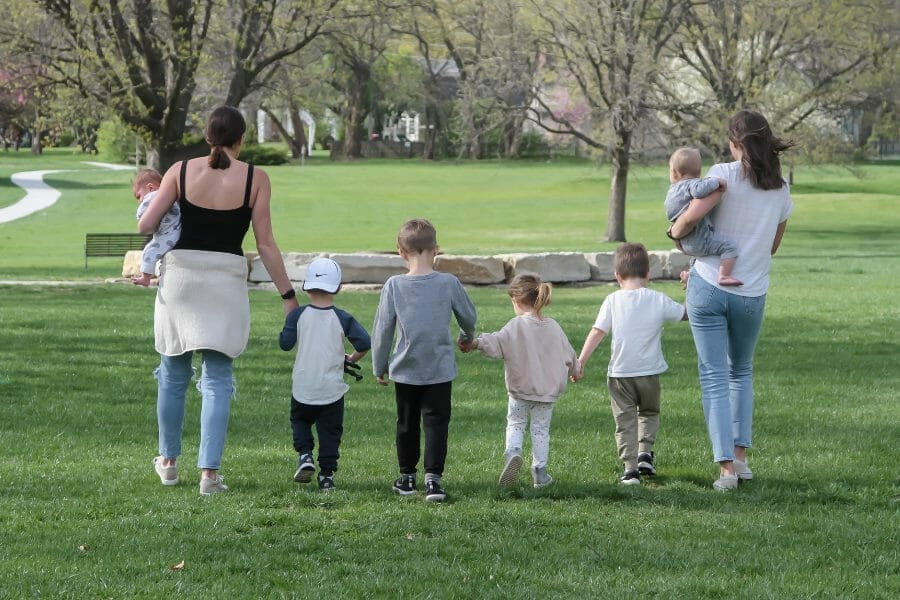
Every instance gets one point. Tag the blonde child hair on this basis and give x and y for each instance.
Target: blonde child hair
(145, 176)
(686, 162)
(529, 290)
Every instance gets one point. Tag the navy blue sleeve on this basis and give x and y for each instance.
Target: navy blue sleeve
(356, 333)
(288, 337)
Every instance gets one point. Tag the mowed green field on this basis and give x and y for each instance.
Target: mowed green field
(84, 515)
(478, 208)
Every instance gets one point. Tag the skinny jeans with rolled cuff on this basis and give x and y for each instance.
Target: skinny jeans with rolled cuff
(216, 389)
(726, 328)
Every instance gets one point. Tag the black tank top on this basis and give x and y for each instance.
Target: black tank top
(211, 229)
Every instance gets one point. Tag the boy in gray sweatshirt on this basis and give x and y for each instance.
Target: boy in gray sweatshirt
(423, 365)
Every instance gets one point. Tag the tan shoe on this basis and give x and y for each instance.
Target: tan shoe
(212, 485)
(725, 483)
(167, 475)
(742, 470)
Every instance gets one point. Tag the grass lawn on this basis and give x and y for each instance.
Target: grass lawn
(83, 515)
(478, 208)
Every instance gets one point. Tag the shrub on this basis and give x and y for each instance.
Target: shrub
(264, 155)
(534, 145)
(115, 141)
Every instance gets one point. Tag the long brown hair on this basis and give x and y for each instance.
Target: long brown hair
(759, 149)
(224, 129)
(529, 290)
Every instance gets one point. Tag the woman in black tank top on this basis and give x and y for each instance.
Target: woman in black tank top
(201, 303)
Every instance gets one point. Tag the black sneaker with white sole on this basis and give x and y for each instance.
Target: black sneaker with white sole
(305, 469)
(326, 483)
(405, 485)
(645, 464)
(630, 478)
(434, 492)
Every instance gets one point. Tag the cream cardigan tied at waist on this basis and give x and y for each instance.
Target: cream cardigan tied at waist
(202, 303)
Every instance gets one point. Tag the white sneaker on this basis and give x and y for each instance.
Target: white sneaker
(212, 485)
(742, 470)
(167, 475)
(725, 483)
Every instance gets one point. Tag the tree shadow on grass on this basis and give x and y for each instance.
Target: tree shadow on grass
(69, 184)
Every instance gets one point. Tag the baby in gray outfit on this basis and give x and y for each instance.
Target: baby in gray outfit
(684, 174)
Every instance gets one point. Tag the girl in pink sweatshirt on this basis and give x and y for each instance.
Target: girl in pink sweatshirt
(538, 361)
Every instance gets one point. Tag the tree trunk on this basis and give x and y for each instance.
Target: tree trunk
(299, 140)
(296, 150)
(169, 153)
(36, 147)
(353, 135)
(512, 135)
(615, 222)
(431, 130)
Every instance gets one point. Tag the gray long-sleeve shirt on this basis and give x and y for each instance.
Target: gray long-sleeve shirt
(418, 307)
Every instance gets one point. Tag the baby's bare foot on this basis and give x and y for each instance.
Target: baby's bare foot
(723, 280)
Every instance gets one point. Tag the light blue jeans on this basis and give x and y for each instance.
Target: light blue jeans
(216, 388)
(726, 328)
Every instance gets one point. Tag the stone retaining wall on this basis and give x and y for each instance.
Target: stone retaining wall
(555, 267)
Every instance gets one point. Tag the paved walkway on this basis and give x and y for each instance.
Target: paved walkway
(39, 195)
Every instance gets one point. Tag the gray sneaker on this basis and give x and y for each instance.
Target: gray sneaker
(167, 475)
(742, 470)
(540, 476)
(212, 485)
(511, 467)
(305, 469)
(725, 483)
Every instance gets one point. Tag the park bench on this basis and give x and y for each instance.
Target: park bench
(113, 244)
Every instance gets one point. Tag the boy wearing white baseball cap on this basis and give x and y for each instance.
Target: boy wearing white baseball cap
(318, 329)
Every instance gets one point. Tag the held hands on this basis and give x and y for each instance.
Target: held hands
(579, 375)
(467, 346)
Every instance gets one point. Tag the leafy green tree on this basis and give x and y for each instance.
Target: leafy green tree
(144, 58)
(792, 60)
(611, 52)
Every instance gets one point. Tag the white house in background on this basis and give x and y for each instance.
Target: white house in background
(402, 127)
(262, 121)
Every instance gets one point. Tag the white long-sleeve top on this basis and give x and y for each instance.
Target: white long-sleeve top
(537, 357)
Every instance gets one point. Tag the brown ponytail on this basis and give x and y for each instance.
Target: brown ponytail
(218, 158)
(529, 290)
(224, 129)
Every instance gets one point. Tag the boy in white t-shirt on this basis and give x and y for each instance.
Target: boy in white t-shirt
(635, 316)
(319, 329)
